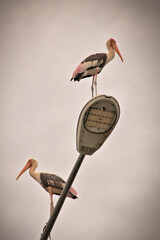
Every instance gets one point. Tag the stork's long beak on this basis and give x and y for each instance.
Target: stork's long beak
(115, 47)
(28, 165)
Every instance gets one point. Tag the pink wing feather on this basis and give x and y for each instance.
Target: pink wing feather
(73, 191)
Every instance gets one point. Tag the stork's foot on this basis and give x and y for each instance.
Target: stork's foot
(92, 89)
(44, 230)
(92, 86)
(95, 89)
(95, 83)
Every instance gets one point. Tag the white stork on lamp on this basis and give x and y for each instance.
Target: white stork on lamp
(93, 64)
(53, 184)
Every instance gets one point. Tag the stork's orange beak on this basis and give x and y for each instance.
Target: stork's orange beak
(115, 47)
(28, 165)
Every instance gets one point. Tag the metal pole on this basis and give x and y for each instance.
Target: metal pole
(62, 197)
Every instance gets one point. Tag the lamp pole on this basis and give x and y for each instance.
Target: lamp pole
(96, 122)
(62, 198)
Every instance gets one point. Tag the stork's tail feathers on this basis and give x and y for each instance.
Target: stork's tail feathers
(73, 192)
(75, 79)
(74, 197)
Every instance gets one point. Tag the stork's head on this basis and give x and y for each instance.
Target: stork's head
(111, 43)
(28, 165)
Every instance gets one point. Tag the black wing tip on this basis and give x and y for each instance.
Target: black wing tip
(74, 197)
(75, 79)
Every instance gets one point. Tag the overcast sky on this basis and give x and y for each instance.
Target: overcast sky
(41, 43)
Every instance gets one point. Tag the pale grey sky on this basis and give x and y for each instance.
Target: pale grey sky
(42, 42)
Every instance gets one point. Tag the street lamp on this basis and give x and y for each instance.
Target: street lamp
(96, 122)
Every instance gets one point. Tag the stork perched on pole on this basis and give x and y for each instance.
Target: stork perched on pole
(53, 184)
(93, 64)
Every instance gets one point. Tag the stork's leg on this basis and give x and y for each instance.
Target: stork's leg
(92, 87)
(44, 230)
(95, 82)
(51, 198)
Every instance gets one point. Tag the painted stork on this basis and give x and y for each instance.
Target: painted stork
(93, 64)
(51, 183)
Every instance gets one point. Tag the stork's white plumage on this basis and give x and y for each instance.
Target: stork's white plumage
(93, 64)
(53, 184)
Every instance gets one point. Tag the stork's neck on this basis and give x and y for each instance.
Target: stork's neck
(110, 54)
(34, 174)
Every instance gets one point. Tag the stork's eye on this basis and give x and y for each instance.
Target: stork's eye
(112, 42)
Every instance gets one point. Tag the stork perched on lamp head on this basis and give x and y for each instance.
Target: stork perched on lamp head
(93, 64)
(53, 184)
